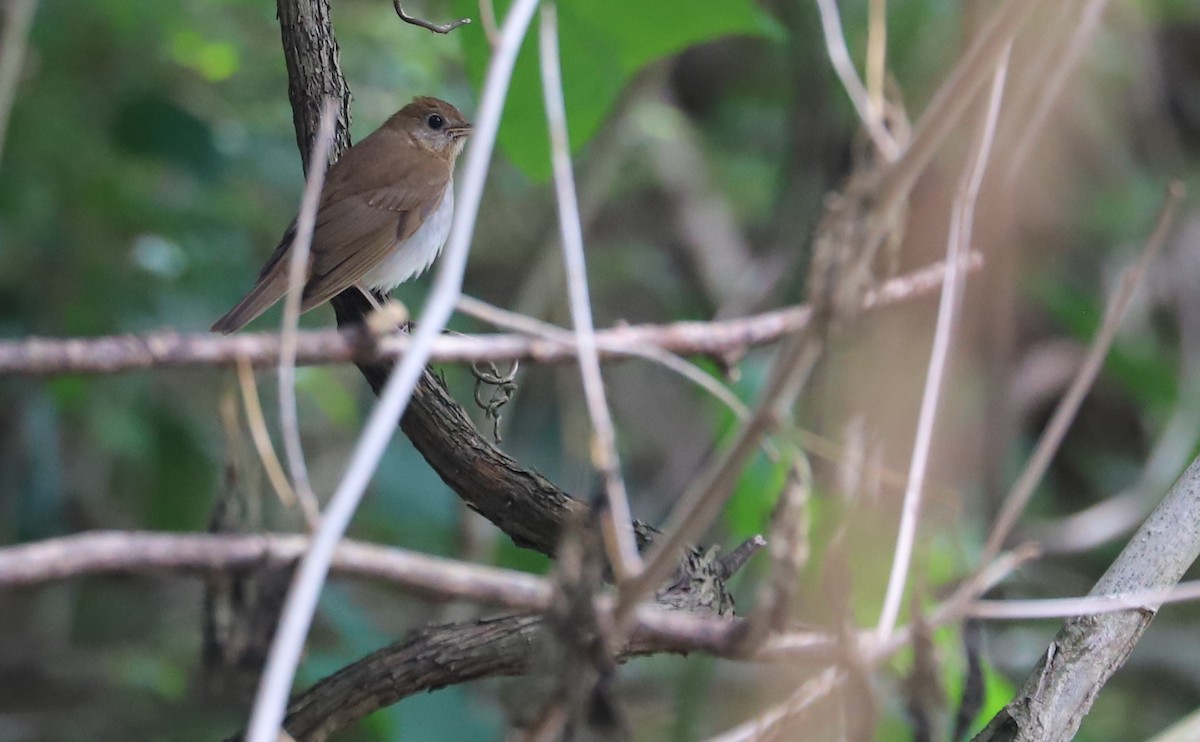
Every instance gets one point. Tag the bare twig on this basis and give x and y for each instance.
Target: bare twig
(529, 325)
(262, 439)
(945, 111)
(839, 56)
(876, 55)
(289, 423)
(143, 552)
(736, 559)
(1122, 512)
(617, 521)
(701, 502)
(1091, 605)
(765, 725)
(574, 667)
(1082, 31)
(982, 581)
(435, 27)
(789, 552)
(835, 295)
(1064, 414)
(302, 598)
(487, 14)
(720, 340)
(438, 656)
(18, 18)
(961, 224)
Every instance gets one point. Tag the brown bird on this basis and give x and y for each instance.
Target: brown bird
(384, 213)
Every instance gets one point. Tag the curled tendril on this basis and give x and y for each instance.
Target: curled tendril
(504, 387)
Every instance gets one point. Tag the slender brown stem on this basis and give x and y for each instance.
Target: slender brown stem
(442, 28)
(720, 340)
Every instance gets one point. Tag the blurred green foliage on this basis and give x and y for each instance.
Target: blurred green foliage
(603, 45)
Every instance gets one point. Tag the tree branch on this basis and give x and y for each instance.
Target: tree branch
(314, 73)
(1088, 649)
(723, 340)
(428, 659)
(140, 552)
(442, 28)
(531, 509)
(673, 623)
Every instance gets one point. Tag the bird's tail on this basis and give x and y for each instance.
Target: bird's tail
(269, 289)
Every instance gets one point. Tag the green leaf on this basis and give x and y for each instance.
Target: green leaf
(602, 45)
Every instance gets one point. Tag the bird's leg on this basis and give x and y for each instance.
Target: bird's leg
(384, 318)
(369, 296)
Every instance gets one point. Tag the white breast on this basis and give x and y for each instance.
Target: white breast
(409, 258)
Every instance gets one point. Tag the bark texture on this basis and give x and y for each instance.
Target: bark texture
(314, 68)
(1088, 650)
(531, 509)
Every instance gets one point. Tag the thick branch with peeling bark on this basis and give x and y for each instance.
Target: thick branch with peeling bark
(428, 659)
(432, 658)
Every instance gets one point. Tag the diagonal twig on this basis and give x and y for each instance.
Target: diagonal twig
(871, 651)
(487, 15)
(839, 56)
(945, 111)
(958, 242)
(1083, 29)
(1022, 490)
(617, 521)
(259, 435)
(289, 422)
(765, 726)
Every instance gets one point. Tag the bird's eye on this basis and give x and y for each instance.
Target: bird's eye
(435, 121)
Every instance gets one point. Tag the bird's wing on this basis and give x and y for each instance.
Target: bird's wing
(355, 231)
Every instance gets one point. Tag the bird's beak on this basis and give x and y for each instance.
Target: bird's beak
(461, 130)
